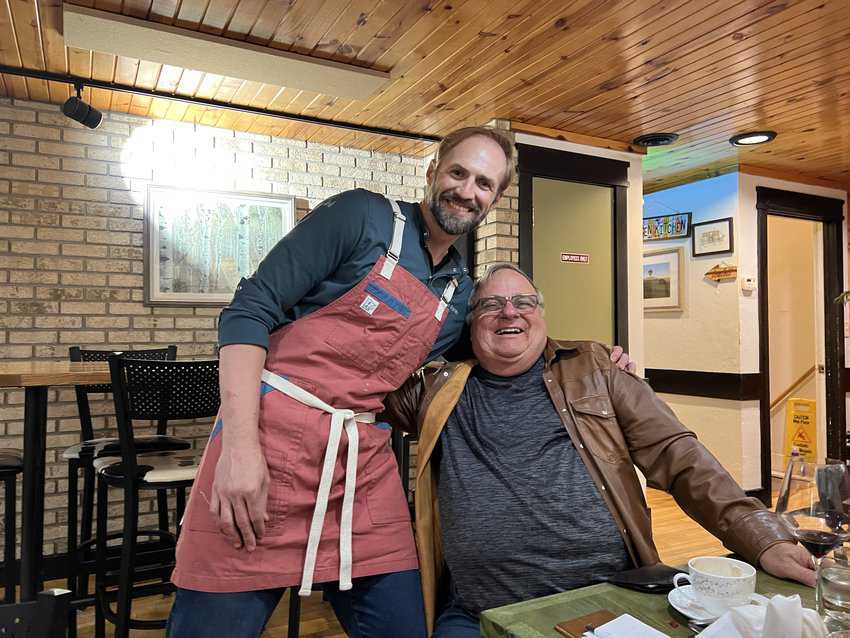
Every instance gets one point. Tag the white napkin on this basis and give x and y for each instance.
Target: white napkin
(782, 617)
(624, 626)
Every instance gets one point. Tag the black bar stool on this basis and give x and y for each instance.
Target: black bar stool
(11, 464)
(44, 617)
(80, 457)
(159, 391)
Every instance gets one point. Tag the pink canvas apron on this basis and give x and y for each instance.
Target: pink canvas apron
(335, 503)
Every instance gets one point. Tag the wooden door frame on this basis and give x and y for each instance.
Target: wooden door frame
(830, 212)
(536, 161)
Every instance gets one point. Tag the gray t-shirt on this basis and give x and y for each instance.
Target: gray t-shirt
(520, 515)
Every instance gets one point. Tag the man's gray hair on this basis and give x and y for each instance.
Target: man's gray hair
(492, 269)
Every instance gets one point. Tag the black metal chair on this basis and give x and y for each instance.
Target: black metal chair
(11, 464)
(81, 457)
(144, 390)
(45, 617)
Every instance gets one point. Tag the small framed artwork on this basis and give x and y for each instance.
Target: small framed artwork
(712, 238)
(199, 244)
(662, 279)
(676, 226)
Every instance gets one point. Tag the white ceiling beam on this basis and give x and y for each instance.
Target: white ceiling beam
(86, 28)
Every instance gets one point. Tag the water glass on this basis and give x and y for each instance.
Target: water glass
(833, 592)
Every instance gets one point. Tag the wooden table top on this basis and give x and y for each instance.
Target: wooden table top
(22, 374)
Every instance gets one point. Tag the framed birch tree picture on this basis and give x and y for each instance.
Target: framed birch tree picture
(199, 244)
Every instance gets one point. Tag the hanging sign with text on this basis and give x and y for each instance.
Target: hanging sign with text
(575, 258)
(667, 227)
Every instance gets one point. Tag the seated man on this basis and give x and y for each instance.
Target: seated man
(525, 481)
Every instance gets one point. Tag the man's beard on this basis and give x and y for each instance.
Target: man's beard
(451, 223)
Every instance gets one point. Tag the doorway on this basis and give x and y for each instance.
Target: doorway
(806, 232)
(795, 338)
(572, 241)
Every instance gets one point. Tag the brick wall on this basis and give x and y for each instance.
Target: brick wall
(71, 222)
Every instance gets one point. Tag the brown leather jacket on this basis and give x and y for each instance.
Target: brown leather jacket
(617, 422)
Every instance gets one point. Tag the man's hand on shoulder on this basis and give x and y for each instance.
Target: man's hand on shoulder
(621, 358)
(789, 560)
(239, 494)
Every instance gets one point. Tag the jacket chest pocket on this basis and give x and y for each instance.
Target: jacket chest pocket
(598, 428)
(375, 322)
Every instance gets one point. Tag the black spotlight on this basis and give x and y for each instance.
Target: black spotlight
(83, 113)
(655, 139)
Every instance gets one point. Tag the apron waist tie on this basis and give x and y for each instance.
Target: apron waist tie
(340, 420)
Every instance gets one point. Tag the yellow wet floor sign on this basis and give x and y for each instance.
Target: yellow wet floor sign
(801, 429)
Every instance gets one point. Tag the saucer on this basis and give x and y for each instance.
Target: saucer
(679, 600)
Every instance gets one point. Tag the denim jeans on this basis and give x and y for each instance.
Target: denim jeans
(383, 606)
(453, 622)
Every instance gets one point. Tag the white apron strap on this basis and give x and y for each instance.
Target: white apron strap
(340, 419)
(445, 299)
(395, 245)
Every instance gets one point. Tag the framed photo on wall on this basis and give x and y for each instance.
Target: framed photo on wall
(663, 275)
(712, 238)
(199, 244)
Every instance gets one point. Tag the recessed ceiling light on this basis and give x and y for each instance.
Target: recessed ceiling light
(753, 138)
(655, 139)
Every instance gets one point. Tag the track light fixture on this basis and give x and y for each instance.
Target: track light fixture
(78, 110)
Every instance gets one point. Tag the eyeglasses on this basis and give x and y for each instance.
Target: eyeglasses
(522, 303)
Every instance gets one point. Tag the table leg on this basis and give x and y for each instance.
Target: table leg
(35, 440)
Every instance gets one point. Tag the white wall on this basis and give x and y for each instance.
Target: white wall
(749, 305)
(704, 334)
(718, 329)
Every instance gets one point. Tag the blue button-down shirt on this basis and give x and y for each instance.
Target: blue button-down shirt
(326, 255)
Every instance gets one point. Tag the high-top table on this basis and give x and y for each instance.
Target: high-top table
(35, 377)
(537, 618)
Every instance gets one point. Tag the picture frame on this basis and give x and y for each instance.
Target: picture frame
(712, 237)
(663, 277)
(664, 227)
(198, 244)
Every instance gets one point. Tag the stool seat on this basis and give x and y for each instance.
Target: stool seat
(11, 461)
(156, 467)
(96, 448)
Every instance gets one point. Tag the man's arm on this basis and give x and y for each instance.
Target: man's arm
(401, 407)
(240, 486)
(673, 460)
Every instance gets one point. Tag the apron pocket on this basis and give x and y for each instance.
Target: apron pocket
(374, 327)
(385, 496)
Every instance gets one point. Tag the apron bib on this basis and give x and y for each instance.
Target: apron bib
(336, 506)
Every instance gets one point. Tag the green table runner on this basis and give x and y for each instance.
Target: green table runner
(537, 618)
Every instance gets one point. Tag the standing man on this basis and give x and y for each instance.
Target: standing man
(340, 312)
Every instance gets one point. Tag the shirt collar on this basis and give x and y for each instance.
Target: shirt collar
(453, 261)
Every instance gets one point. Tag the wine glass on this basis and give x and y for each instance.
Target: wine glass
(813, 505)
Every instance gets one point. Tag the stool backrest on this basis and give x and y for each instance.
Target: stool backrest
(160, 391)
(76, 353)
(45, 617)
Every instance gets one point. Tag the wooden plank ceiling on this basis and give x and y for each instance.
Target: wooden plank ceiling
(615, 69)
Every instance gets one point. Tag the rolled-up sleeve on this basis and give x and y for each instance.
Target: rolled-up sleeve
(306, 256)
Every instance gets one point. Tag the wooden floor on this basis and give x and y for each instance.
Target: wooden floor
(678, 538)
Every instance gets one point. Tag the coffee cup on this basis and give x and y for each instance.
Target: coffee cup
(718, 583)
